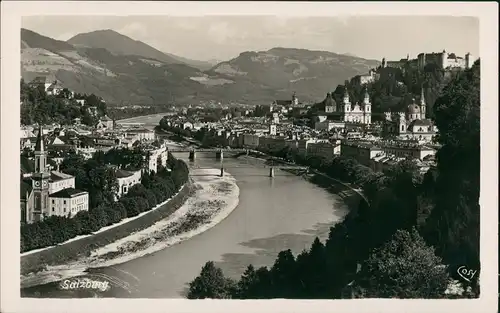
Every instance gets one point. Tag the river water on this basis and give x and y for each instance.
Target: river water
(273, 214)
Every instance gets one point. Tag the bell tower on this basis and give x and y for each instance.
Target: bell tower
(346, 102)
(422, 104)
(367, 111)
(295, 101)
(40, 179)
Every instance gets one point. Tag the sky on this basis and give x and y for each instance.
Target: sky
(225, 37)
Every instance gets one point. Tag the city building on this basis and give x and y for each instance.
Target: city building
(287, 103)
(356, 114)
(276, 119)
(156, 156)
(105, 123)
(44, 81)
(272, 143)
(323, 148)
(68, 202)
(381, 153)
(250, 140)
(272, 130)
(327, 123)
(54, 89)
(362, 152)
(42, 193)
(27, 132)
(371, 77)
(127, 179)
(442, 59)
(445, 60)
(329, 104)
(302, 146)
(411, 124)
(142, 134)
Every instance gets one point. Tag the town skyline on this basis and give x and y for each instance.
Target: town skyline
(222, 38)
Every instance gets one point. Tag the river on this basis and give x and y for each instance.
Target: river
(273, 214)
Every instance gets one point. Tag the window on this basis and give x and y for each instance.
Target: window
(64, 202)
(53, 209)
(53, 201)
(64, 210)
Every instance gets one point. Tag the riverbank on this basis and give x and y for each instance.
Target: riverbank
(352, 187)
(211, 199)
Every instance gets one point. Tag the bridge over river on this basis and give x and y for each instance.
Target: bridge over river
(270, 167)
(219, 155)
(219, 152)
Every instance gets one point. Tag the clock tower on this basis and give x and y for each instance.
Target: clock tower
(40, 180)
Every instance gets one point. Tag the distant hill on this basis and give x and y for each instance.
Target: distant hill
(309, 73)
(120, 44)
(202, 65)
(124, 71)
(36, 40)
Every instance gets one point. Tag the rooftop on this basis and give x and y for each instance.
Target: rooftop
(425, 122)
(123, 173)
(68, 193)
(57, 176)
(26, 187)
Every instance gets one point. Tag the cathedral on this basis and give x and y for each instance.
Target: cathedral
(47, 193)
(358, 113)
(411, 124)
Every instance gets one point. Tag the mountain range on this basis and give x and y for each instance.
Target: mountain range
(126, 71)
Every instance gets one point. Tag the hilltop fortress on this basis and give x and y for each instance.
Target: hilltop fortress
(442, 59)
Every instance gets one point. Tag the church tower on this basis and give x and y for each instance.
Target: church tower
(367, 108)
(422, 105)
(346, 105)
(295, 101)
(346, 102)
(40, 179)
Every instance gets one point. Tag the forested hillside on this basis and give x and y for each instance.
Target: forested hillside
(39, 107)
(410, 236)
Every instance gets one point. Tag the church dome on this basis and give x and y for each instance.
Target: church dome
(329, 101)
(413, 109)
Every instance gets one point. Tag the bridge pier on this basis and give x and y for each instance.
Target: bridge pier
(192, 155)
(219, 155)
(221, 172)
(271, 172)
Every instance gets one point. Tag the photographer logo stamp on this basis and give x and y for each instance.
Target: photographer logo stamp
(465, 273)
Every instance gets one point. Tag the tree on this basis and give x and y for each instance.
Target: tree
(282, 273)
(100, 216)
(453, 225)
(247, 284)
(316, 261)
(211, 283)
(88, 222)
(131, 205)
(38, 106)
(404, 267)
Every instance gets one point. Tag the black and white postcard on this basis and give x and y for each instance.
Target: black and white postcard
(189, 155)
